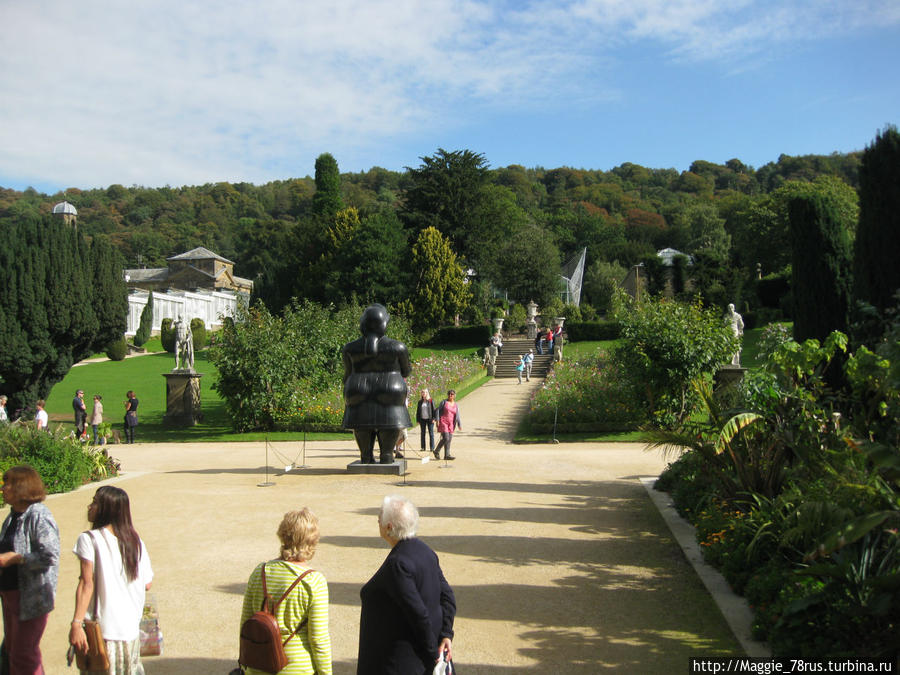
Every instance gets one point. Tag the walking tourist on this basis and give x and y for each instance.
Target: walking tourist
(425, 415)
(80, 413)
(96, 415)
(303, 614)
(115, 576)
(29, 565)
(408, 608)
(41, 418)
(131, 417)
(448, 422)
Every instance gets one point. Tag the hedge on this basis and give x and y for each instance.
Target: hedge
(463, 335)
(583, 331)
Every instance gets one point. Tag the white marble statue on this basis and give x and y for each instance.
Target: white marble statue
(736, 322)
(184, 346)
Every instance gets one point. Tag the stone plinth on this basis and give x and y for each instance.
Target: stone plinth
(395, 468)
(531, 326)
(726, 388)
(729, 376)
(183, 407)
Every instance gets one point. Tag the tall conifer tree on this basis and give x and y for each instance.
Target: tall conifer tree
(877, 254)
(142, 334)
(327, 199)
(62, 301)
(822, 262)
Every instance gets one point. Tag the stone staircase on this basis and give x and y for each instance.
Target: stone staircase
(513, 346)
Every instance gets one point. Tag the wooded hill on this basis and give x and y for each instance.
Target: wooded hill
(353, 236)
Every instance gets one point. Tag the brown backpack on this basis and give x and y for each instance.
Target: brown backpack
(261, 645)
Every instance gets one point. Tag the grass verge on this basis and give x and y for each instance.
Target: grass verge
(144, 374)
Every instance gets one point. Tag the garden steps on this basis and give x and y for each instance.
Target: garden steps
(512, 348)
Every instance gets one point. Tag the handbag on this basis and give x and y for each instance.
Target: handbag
(96, 657)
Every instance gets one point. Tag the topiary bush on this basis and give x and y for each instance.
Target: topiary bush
(167, 335)
(117, 349)
(198, 331)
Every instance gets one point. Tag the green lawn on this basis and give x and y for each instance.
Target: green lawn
(144, 374)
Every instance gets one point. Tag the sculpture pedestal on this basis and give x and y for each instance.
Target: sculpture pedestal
(182, 399)
(395, 468)
(727, 382)
(531, 326)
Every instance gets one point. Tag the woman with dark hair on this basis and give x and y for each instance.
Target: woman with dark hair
(29, 565)
(115, 574)
(425, 416)
(448, 422)
(131, 418)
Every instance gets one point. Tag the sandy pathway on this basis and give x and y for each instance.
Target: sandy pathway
(559, 561)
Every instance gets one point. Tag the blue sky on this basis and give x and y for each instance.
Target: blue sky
(168, 92)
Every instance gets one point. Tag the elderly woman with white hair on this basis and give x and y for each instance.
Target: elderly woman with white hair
(406, 625)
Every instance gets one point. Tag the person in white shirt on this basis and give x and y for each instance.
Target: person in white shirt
(529, 362)
(115, 575)
(41, 418)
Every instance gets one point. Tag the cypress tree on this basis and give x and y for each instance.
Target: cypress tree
(822, 262)
(110, 292)
(49, 307)
(877, 254)
(142, 334)
(327, 199)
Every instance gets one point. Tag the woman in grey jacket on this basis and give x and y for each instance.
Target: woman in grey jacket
(29, 565)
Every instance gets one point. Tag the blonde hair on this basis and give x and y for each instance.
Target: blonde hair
(299, 535)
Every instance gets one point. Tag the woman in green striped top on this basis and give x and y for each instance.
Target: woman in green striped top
(305, 610)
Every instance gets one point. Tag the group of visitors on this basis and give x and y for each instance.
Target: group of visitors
(81, 417)
(525, 365)
(115, 574)
(446, 415)
(408, 608)
(548, 338)
(42, 419)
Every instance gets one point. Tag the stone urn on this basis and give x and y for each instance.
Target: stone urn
(559, 321)
(531, 308)
(498, 324)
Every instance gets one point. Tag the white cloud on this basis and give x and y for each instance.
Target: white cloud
(173, 92)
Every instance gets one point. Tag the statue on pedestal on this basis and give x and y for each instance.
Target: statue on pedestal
(184, 346)
(736, 322)
(375, 368)
(490, 359)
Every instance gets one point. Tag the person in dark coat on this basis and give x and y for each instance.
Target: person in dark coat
(408, 607)
(374, 387)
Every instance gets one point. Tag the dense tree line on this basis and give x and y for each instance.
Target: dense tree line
(338, 237)
(63, 299)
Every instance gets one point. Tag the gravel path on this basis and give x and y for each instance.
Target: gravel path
(559, 561)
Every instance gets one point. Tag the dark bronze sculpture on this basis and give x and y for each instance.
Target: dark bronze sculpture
(374, 387)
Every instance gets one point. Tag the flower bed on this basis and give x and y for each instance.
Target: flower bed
(586, 395)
